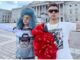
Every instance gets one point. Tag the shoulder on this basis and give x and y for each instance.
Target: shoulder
(71, 26)
(67, 23)
(63, 22)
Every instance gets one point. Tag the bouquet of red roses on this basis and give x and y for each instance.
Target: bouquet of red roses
(43, 43)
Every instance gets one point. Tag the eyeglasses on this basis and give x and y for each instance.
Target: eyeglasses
(55, 10)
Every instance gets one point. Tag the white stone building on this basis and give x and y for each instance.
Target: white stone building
(72, 11)
(15, 14)
(68, 10)
(5, 15)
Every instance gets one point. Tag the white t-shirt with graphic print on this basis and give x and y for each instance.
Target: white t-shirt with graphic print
(61, 32)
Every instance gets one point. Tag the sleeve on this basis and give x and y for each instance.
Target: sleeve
(6, 27)
(72, 26)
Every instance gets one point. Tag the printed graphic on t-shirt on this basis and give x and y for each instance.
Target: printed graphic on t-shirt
(58, 35)
(24, 41)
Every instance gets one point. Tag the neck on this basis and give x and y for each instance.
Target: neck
(53, 21)
(25, 26)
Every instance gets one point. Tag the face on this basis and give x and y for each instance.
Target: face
(26, 19)
(53, 12)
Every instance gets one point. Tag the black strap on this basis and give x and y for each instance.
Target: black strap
(45, 27)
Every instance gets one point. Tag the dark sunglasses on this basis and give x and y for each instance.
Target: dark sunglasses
(55, 10)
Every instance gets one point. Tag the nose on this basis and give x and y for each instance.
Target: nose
(53, 12)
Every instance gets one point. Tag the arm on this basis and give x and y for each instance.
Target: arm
(6, 27)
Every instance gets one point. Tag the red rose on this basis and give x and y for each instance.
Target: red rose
(43, 43)
(38, 30)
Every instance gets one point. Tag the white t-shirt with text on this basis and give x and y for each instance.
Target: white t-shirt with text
(61, 32)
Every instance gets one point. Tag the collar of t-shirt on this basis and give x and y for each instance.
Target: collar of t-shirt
(52, 26)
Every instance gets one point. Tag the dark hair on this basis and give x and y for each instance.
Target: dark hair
(30, 12)
(54, 4)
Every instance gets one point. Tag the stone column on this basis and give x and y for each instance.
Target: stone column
(36, 10)
(63, 13)
(59, 13)
(39, 11)
(42, 8)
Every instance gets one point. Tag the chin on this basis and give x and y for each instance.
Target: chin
(25, 23)
(53, 18)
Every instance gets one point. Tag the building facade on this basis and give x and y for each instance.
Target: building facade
(15, 14)
(68, 11)
(5, 15)
(40, 9)
(72, 11)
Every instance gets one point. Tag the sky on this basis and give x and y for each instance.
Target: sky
(9, 5)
